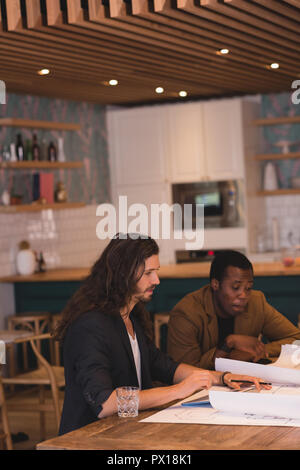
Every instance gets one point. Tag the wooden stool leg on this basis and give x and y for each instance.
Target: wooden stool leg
(57, 353)
(25, 356)
(6, 429)
(42, 414)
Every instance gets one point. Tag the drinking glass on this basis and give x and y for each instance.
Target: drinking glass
(128, 402)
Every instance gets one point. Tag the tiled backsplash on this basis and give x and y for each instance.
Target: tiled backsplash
(67, 238)
(287, 211)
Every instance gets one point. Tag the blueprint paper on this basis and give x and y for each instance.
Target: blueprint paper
(279, 402)
(286, 370)
(207, 414)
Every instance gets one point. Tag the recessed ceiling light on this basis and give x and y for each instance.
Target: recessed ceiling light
(44, 72)
(182, 94)
(224, 51)
(159, 89)
(274, 65)
(113, 82)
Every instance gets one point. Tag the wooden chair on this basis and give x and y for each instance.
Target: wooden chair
(160, 319)
(44, 375)
(54, 345)
(37, 322)
(5, 435)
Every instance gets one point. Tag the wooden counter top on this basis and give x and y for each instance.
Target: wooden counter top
(172, 271)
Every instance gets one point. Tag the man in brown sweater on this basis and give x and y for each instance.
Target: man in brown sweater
(227, 318)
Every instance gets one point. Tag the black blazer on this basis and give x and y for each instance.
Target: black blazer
(98, 358)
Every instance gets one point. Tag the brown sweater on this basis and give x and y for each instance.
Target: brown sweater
(193, 327)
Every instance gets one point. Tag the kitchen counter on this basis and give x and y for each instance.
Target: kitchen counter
(172, 271)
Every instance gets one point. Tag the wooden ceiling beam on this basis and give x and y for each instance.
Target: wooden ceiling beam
(96, 10)
(14, 16)
(54, 13)
(33, 13)
(75, 12)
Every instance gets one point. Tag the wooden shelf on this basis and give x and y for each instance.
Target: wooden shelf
(278, 120)
(61, 126)
(32, 165)
(277, 156)
(39, 207)
(279, 192)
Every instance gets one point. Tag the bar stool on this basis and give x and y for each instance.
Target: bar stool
(5, 435)
(36, 322)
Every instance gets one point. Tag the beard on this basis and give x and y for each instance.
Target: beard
(145, 296)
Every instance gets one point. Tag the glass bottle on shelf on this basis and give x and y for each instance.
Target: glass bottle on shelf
(28, 151)
(52, 154)
(20, 148)
(5, 154)
(43, 151)
(61, 153)
(35, 149)
(13, 153)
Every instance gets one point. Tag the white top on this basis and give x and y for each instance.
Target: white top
(137, 357)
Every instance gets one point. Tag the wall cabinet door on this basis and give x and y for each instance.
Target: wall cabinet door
(137, 145)
(224, 139)
(186, 151)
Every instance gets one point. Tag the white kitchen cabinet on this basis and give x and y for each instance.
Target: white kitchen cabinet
(223, 130)
(137, 145)
(205, 141)
(186, 146)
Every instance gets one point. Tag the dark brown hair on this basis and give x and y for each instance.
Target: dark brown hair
(226, 258)
(111, 282)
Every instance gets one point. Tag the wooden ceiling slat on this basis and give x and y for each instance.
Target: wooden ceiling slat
(280, 8)
(54, 13)
(261, 12)
(96, 10)
(14, 16)
(74, 11)
(117, 8)
(33, 13)
(248, 18)
(294, 3)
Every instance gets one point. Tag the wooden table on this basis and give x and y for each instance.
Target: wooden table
(116, 433)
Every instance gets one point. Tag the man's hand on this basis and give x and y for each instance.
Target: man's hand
(246, 348)
(197, 380)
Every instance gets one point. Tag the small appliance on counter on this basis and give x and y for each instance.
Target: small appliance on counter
(196, 256)
(220, 199)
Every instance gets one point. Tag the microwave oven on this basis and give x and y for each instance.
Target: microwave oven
(219, 198)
